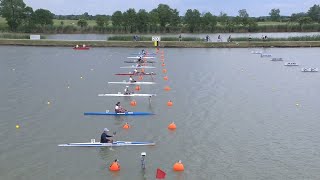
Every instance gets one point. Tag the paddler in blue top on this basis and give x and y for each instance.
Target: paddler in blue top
(119, 109)
(104, 136)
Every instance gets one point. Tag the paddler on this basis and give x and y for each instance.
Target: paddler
(143, 52)
(127, 91)
(83, 45)
(135, 71)
(140, 60)
(119, 109)
(104, 136)
(77, 46)
(132, 80)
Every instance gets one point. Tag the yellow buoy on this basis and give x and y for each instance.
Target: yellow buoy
(48, 102)
(17, 126)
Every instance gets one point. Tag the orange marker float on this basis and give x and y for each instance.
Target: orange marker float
(126, 126)
(133, 103)
(169, 103)
(172, 126)
(115, 166)
(178, 166)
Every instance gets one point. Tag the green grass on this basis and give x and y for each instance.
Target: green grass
(14, 36)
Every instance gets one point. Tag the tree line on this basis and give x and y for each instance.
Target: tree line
(165, 19)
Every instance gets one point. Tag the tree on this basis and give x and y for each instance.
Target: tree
(166, 15)
(243, 17)
(154, 19)
(61, 23)
(82, 23)
(192, 19)
(304, 20)
(130, 19)
(101, 21)
(13, 11)
(296, 16)
(208, 21)
(275, 14)
(314, 13)
(117, 18)
(223, 18)
(142, 20)
(175, 18)
(43, 17)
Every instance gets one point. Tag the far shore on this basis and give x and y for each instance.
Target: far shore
(163, 44)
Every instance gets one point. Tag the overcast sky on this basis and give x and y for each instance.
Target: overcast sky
(231, 7)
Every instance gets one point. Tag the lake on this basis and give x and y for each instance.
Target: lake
(238, 116)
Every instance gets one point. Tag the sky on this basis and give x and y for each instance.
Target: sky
(231, 7)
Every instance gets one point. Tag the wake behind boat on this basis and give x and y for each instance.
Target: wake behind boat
(133, 83)
(116, 143)
(126, 95)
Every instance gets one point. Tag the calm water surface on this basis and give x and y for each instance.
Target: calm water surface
(236, 113)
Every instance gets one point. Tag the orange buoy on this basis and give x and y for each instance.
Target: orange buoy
(178, 166)
(115, 166)
(166, 78)
(138, 88)
(164, 70)
(163, 64)
(133, 103)
(169, 103)
(142, 70)
(172, 126)
(167, 88)
(126, 126)
(140, 78)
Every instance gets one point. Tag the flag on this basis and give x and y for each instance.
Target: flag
(160, 174)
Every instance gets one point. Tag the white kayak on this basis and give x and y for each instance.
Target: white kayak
(309, 69)
(266, 55)
(126, 95)
(291, 64)
(138, 67)
(116, 143)
(144, 57)
(137, 83)
(277, 59)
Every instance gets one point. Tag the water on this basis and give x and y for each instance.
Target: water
(213, 37)
(236, 115)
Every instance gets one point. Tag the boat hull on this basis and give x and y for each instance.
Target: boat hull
(117, 114)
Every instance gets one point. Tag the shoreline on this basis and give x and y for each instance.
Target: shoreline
(163, 44)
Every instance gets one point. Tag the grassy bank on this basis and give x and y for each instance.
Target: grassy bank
(166, 44)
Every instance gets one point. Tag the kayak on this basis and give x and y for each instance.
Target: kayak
(135, 61)
(81, 48)
(291, 64)
(127, 95)
(265, 55)
(276, 59)
(143, 57)
(138, 67)
(116, 143)
(309, 69)
(117, 114)
(137, 83)
(135, 74)
(147, 54)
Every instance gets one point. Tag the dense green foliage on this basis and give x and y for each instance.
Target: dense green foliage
(162, 19)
